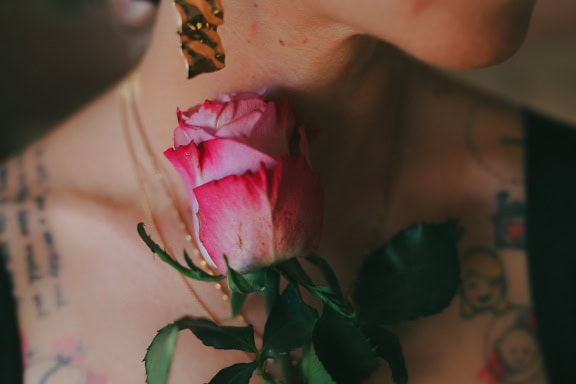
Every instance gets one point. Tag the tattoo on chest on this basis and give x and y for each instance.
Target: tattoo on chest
(27, 245)
(510, 349)
(64, 363)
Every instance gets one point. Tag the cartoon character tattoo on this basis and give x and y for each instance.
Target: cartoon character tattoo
(483, 286)
(512, 355)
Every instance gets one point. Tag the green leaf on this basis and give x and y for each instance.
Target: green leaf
(194, 272)
(158, 357)
(236, 302)
(312, 369)
(345, 352)
(328, 273)
(238, 283)
(257, 278)
(289, 325)
(415, 274)
(220, 337)
(328, 298)
(388, 347)
(266, 377)
(235, 374)
(294, 273)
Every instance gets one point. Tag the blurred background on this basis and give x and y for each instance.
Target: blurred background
(58, 54)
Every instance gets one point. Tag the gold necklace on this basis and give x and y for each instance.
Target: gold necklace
(127, 105)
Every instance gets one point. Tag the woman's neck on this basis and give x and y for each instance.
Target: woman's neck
(325, 69)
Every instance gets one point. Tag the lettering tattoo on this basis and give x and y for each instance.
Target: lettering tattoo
(26, 239)
(23, 189)
(23, 222)
(32, 267)
(53, 257)
(65, 363)
(39, 304)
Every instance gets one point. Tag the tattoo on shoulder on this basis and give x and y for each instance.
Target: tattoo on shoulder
(484, 286)
(510, 349)
(489, 147)
(26, 239)
(509, 227)
(64, 363)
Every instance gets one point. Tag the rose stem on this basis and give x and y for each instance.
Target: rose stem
(271, 294)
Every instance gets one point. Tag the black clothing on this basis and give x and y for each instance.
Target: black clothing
(551, 241)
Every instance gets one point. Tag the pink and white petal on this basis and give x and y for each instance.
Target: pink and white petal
(201, 248)
(215, 159)
(224, 157)
(182, 116)
(235, 110)
(270, 135)
(240, 128)
(262, 133)
(204, 115)
(184, 135)
(297, 208)
(235, 221)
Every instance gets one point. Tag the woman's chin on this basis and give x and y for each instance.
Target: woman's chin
(462, 43)
(471, 54)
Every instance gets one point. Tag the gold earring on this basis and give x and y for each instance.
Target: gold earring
(200, 43)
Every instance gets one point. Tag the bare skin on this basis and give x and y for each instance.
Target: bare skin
(395, 144)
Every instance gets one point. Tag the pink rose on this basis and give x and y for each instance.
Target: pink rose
(254, 196)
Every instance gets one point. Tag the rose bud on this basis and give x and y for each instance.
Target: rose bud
(254, 197)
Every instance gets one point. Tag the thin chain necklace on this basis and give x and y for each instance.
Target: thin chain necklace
(129, 108)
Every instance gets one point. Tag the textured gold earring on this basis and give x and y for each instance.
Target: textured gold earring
(200, 43)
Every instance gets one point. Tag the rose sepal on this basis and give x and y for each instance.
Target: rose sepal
(193, 271)
(332, 297)
(242, 283)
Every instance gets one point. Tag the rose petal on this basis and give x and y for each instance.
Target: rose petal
(266, 133)
(258, 219)
(235, 110)
(298, 211)
(215, 159)
(241, 127)
(204, 115)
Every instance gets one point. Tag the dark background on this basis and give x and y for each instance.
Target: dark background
(58, 54)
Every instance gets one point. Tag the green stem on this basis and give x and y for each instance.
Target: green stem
(271, 293)
(271, 289)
